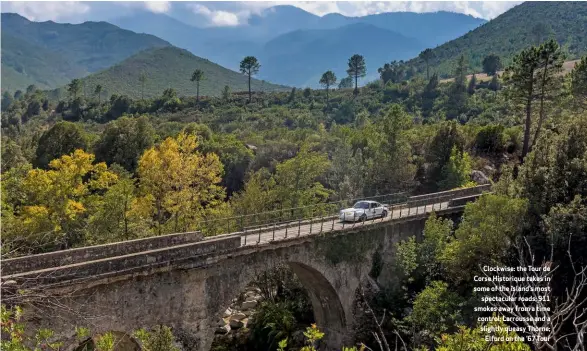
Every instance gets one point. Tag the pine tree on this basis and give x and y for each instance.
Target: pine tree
(357, 68)
(472, 85)
(427, 55)
(522, 83)
(579, 82)
(197, 77)
(226, 93)
(550, 81)
(328, 79)
(494, 84)
(458, 91)
(142, 80)
(250, 66)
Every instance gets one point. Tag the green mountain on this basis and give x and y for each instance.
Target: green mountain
(168, 67)
(48, 54)
(24, 63)
(507, 34)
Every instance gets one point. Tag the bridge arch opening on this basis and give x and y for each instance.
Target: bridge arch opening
(326, 304)
(287, 298)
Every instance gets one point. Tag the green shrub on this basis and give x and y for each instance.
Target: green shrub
(491, 139)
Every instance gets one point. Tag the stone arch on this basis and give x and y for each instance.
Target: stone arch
(329, 314)
(326, 303)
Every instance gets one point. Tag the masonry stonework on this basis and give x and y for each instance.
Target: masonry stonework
(191, 296)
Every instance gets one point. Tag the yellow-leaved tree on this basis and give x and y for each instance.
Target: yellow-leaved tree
(49, 208)
(180, 183)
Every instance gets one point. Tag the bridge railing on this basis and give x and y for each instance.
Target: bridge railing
(250, 222)
(400, 205)
(413, 207)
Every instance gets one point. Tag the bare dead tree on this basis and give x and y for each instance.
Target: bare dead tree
(378, 334)
(529, 301)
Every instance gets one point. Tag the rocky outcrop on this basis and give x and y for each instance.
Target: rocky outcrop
(249, 305)
(235, 324)
(240, 312)
(479, 178)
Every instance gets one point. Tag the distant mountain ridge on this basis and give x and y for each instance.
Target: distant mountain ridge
(301, 57)
(50, 54)
(228, 45)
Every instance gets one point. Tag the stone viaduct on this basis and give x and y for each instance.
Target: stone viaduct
(186, 281)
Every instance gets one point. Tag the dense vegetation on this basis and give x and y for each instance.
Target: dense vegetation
(530, 23)
(92, 170)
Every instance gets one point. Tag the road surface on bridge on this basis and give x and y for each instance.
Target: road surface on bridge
(278, 232)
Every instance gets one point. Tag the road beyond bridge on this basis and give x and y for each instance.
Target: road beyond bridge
(186, 281)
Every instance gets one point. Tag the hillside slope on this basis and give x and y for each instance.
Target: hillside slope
(514, 30)
(51, 53)
(168, 67)
(24, 63)
(299, 58)
(568, 66)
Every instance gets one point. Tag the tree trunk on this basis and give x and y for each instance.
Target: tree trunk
(327, 98)
(250, 98)
(197, 91)
(542, 95)
(159, 217)
(356, 83)
(528, 124)
(126, 218)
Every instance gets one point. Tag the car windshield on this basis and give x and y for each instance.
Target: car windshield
(362, 205)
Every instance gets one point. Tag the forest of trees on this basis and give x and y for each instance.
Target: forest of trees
(88, 170)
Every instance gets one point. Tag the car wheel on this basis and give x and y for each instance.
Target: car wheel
(363, 217)
(384, 214)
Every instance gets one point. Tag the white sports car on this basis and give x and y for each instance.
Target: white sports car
(364, 210)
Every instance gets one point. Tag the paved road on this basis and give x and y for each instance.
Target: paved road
(267, 234)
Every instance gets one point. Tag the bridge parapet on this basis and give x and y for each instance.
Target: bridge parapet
(126, 264)
(97, 252)
(462, 201)
(427, 199)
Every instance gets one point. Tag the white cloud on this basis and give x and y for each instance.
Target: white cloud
(216, 17)
(158, 6)
(225, 13)
(492, 9)
(46, 10)
(482, 9)
(319, 8)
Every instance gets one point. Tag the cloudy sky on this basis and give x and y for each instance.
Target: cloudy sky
(208, 13)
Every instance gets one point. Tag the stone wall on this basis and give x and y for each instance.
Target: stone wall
(90, 253)
(127, 264)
